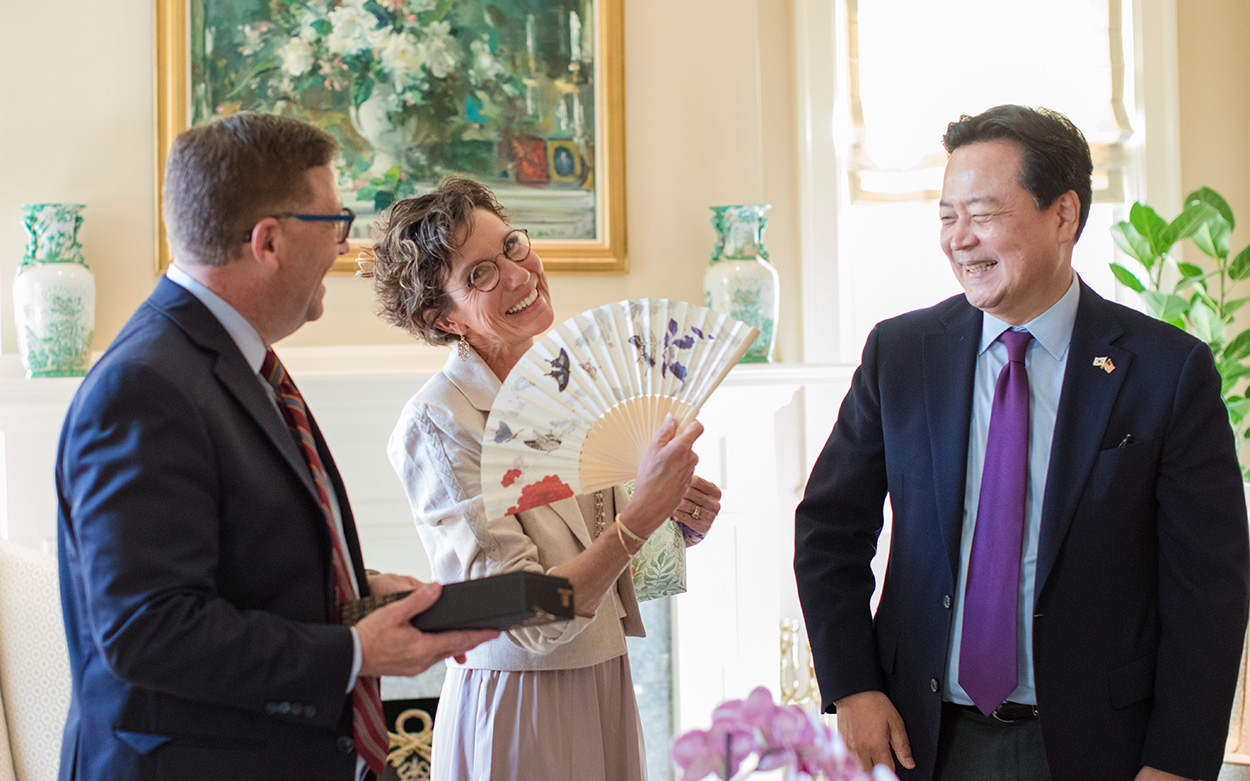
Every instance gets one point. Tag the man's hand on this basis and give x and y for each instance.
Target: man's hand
(1150, 774)
(390, 645)
(388, 583)
(871, 726)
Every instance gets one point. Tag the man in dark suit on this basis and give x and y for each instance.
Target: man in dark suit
(1127, 594)
(197, 539)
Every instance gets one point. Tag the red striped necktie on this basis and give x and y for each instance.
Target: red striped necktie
(369, 726)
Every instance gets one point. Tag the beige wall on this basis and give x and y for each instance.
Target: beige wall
(1214, 86)
(709, 120)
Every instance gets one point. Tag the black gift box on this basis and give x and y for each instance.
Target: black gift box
(494, 602)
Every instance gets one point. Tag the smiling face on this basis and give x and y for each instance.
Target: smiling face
(318, 243)
(1012, 259)
(501, 323)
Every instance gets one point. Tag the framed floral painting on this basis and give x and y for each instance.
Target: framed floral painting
(525, 96)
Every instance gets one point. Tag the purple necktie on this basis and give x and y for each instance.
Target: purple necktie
(987, 654)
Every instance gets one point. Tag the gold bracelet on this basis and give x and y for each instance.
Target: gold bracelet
(621, 536)
(622, 525)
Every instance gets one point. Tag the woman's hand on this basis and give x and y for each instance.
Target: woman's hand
(698, 509)
(664, 477)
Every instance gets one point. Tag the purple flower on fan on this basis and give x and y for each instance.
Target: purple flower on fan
(671, 346)
(779, 736)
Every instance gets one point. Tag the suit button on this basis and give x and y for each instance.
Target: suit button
(934, 685)
(946, 601)
(345, 744)
(284, 708)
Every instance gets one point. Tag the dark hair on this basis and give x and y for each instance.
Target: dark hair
(1055, 157)
(223, 176)
(414, 241)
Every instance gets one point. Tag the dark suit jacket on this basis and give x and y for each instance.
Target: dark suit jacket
(1142, 573)
(195, 568)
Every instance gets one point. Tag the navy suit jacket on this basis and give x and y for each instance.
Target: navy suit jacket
(1142, 571)
(195, 568)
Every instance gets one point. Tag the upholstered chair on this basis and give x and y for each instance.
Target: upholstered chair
(34, 665)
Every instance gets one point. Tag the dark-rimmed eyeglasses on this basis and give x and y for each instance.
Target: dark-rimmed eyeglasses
(485, 273)
(344, 219)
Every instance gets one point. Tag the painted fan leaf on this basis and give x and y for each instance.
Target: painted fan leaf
(577, 412)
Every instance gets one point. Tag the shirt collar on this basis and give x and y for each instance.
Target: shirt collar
(240, 330)
(473, 377)
(1051, 329)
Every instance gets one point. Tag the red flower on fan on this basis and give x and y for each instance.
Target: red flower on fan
(549, 489)
(510, 477)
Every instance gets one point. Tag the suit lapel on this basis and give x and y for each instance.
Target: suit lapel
(232, 371)
(1085, 403)
(949, 365)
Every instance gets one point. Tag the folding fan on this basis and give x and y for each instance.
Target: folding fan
(583, 404)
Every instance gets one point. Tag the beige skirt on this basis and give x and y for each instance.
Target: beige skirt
(578, 724)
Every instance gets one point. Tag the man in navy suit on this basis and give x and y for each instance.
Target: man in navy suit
(1133, 568)
(195, 550)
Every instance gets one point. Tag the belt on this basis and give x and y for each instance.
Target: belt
(1007, 713)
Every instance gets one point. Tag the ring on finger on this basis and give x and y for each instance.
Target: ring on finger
(695, 514)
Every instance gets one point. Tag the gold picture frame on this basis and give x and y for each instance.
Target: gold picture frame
(601, 171)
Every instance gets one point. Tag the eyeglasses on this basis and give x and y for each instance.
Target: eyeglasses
(485, 273)
(344, 219)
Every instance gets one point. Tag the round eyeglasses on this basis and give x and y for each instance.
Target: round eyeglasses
(344, 219)
(484, 275)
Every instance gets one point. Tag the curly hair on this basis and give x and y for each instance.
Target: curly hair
(414, 241)
(1055, 154)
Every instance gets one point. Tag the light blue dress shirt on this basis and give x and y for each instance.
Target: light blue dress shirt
(1045, 360)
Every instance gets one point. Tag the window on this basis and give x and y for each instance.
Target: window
(901, 71)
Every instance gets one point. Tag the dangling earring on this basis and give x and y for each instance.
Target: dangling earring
(462, 349)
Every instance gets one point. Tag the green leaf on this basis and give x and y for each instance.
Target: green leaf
(1209, 196)
(383, 199)
(427, 18)
(1194, 216)
(1165, 306)
(362, 89)
(1127, 278)
(379, 13)
(366, 193)
(1212, 237)
(1239, 347)
(1239, 268)
(1206, 324)
(1133, 244)
(1233, 304)
(1150, 225)
(1189, 270)
(322, 26)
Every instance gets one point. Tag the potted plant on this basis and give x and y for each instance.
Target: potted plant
(1192, 298)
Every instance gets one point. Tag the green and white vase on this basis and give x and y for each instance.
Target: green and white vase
(54, 294)
(739, 281)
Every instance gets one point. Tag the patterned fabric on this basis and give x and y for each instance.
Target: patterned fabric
(368, 723)
(659, 567)
(34, 665)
